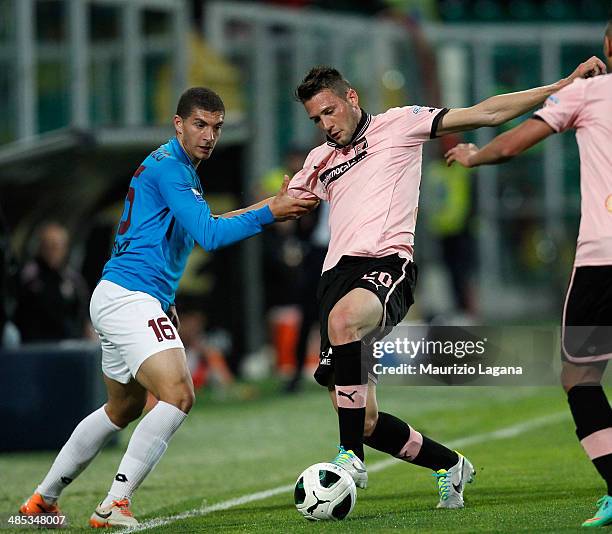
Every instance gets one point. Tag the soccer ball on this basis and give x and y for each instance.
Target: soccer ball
(325, 491)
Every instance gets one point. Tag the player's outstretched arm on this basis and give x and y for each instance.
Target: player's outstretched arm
(260, 204)
(293, 208)
(284, 207)
(501, 108)
(501, 148)
(186, 203)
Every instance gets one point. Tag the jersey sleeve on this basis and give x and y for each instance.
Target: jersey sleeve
(413, 125)
(305, 183)
(561, 111)
(193, 213)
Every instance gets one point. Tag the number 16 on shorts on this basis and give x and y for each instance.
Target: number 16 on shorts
(162, 327)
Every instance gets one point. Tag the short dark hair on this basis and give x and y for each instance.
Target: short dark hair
(320, 78)
(199, 98)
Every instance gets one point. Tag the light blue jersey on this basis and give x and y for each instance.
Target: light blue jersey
(165, 212)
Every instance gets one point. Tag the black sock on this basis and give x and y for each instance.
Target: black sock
(434, 455)
(591, 412)
(351, 391)
(603, 464)
(391, 434)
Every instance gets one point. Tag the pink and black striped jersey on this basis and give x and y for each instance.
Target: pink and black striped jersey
(372, 184)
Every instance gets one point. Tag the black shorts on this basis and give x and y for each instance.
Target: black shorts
(587, 316)
(391, 278)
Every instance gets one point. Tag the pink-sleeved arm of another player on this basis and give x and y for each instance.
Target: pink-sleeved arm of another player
(561, 111)
(413, 125)
(305, 184)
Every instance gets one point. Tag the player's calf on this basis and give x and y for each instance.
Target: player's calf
(593, 418)
(351, 384)
(397, 438)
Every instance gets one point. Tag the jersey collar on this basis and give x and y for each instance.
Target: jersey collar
(362, 126)
(179, 152)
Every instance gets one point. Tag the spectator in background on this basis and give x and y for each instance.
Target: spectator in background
(313, 230)
(448, 191)
(283, 256)
(52, 298)
(282, 249)
(294, 252)
(6, 272)
(205, 357)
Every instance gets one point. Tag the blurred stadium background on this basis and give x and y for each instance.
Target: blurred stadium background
(88, 89)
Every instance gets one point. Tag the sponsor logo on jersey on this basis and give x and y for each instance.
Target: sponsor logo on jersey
(553, 99)
(331, 175)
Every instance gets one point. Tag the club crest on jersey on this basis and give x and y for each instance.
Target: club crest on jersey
(360, 146)
(197, 194)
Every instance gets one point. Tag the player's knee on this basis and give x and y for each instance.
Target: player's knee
(342, 326)
(123, 413)
(567, 380)
(573, 375)
(185, 401)
(182, 397)
(133, 412)
(370, 424)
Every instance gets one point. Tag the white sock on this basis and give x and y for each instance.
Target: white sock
(86, 441)
(147, 445)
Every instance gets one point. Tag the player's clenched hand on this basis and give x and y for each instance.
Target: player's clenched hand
(461, 154)
(591, 67)
(285, 207)
(174, 317)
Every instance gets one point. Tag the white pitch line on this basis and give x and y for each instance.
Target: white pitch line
(502, 433)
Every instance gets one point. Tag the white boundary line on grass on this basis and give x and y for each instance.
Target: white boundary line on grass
(502, 433)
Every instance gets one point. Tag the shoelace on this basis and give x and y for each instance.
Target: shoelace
(443, 481)
(342, 457)
(123, 506)
(601, 501)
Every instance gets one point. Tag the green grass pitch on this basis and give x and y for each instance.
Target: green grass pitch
(532, 475)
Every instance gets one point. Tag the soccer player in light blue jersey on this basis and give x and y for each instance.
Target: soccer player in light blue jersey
(132, 308)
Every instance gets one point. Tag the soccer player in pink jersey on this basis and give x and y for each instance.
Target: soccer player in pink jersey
(369, 169)
(586, 107)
